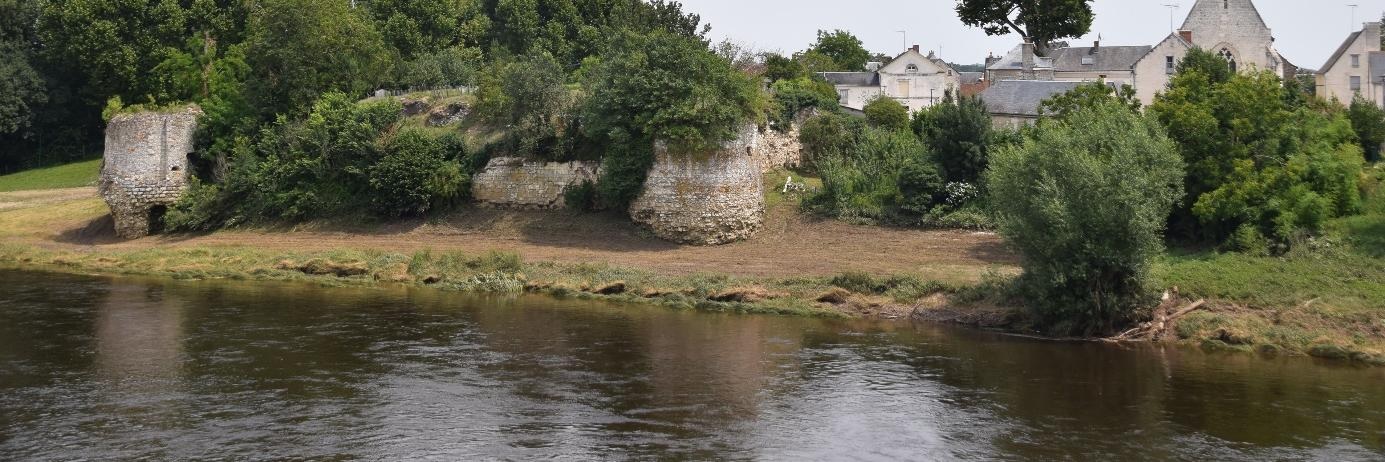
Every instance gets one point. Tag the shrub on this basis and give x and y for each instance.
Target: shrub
(794, 96)
(1368, 120)
(530, 102)
(921, 187)
(884, 112)
(958, 132)
(583, 197)
(829, 135)
(413, 176)
(864, 181)
(1084, 201)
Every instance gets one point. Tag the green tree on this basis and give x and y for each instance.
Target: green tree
(1040, 21)
(668, 88)
(1258, 167)
(1085, 200)
(414, 176)
(958, 132)
(1369, 122)
(792, 97)
(830, 135)
(1213, 67)
(529, 100)
(778, 67)
(299, 49)
(884, 112)
(417, 27)
(1089, 94)
(843, 48)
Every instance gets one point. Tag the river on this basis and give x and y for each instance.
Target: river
(135, 368)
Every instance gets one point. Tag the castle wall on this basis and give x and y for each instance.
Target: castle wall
(516, 183)
(704, 198)
(145, 165)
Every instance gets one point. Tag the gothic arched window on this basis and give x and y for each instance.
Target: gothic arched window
(1230, 59)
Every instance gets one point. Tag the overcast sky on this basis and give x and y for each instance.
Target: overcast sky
(1306, 31)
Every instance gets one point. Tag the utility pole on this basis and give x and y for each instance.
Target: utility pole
(1172, 7)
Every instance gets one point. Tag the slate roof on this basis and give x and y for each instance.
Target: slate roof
(1014, 60)
(1107, 58)
(969, 78)
(1022, 97)
(853, 79)
(1341, 50)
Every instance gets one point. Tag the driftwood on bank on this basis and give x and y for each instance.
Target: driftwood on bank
(1162, 322)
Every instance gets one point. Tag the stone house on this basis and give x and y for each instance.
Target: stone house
(915, 80)
(1015, 103)
(1114, 64)
(1357, 68)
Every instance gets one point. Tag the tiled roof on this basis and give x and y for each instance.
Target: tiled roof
(1107, 58)
(1022, 97)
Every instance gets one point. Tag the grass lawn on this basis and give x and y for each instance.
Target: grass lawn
(63, 176)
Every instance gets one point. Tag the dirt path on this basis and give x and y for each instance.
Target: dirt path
(791, 244)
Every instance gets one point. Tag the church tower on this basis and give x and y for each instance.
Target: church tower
(1234, 30)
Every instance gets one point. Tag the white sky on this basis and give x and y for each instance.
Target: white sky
(1306, 31)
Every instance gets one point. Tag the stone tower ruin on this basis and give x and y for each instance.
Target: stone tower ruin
(705, 198)
(145, 167)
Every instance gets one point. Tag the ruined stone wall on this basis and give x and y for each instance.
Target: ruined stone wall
(516, 183)
(704, 198)
(779, 149)
(145, 165)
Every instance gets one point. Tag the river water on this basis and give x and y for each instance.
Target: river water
(126, 368)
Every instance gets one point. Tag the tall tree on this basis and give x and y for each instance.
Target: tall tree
(1039, 21)
(845, 49)
(300, 49)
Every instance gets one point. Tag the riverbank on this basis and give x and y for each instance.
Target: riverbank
(1325, 302)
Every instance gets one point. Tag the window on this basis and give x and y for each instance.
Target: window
(1169, 65)
(843, 94)
(1356, 83)
(1355, 61)
(1230, 58)
(912, 68)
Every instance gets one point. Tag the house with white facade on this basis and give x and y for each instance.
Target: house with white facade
(1357, 68)
(915, 80)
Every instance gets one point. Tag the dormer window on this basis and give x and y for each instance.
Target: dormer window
(912, 68)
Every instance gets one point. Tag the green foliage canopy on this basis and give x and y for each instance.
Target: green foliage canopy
(1041, 21)
(886, 113)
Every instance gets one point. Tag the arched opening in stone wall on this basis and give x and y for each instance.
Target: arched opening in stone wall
(156, 218)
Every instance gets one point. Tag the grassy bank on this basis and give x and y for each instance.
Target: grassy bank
(63, 176)
(498, 272)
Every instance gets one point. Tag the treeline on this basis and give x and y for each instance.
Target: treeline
(248, 62)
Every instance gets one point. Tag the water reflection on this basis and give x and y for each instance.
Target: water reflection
(97, 368)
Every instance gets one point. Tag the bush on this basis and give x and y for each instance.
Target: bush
(583, 197)
(884, 112)
(864, 182)
(529, 101)
(1368, 120)
(829, 135)
(921, 187)
(794, 96)
(958, 132)
(413, 176)
(1084, 201)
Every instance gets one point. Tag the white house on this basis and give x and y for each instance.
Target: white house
(915, 80)
(1356, 68)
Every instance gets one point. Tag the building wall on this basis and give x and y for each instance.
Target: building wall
(857, 97)
(1151, 72)
(1335, 81)
(145, 165)
(513, 182)
(923, 90)
(1237, 26)
(704, 198)
(1004, 121)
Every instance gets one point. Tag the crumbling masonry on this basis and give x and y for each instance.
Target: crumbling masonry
(145, 166)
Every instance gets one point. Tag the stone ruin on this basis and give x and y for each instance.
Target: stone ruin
(705, 198)
(513, 182)
(145, 167)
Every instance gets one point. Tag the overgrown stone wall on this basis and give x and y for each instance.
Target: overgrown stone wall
(513, 182)
(704, 198)
(779, 149)
(145, 165)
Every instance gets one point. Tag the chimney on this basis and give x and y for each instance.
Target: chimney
(1187, 35)
(991, 59)
(1096, 46)
(1027, 60)
(914, 48)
